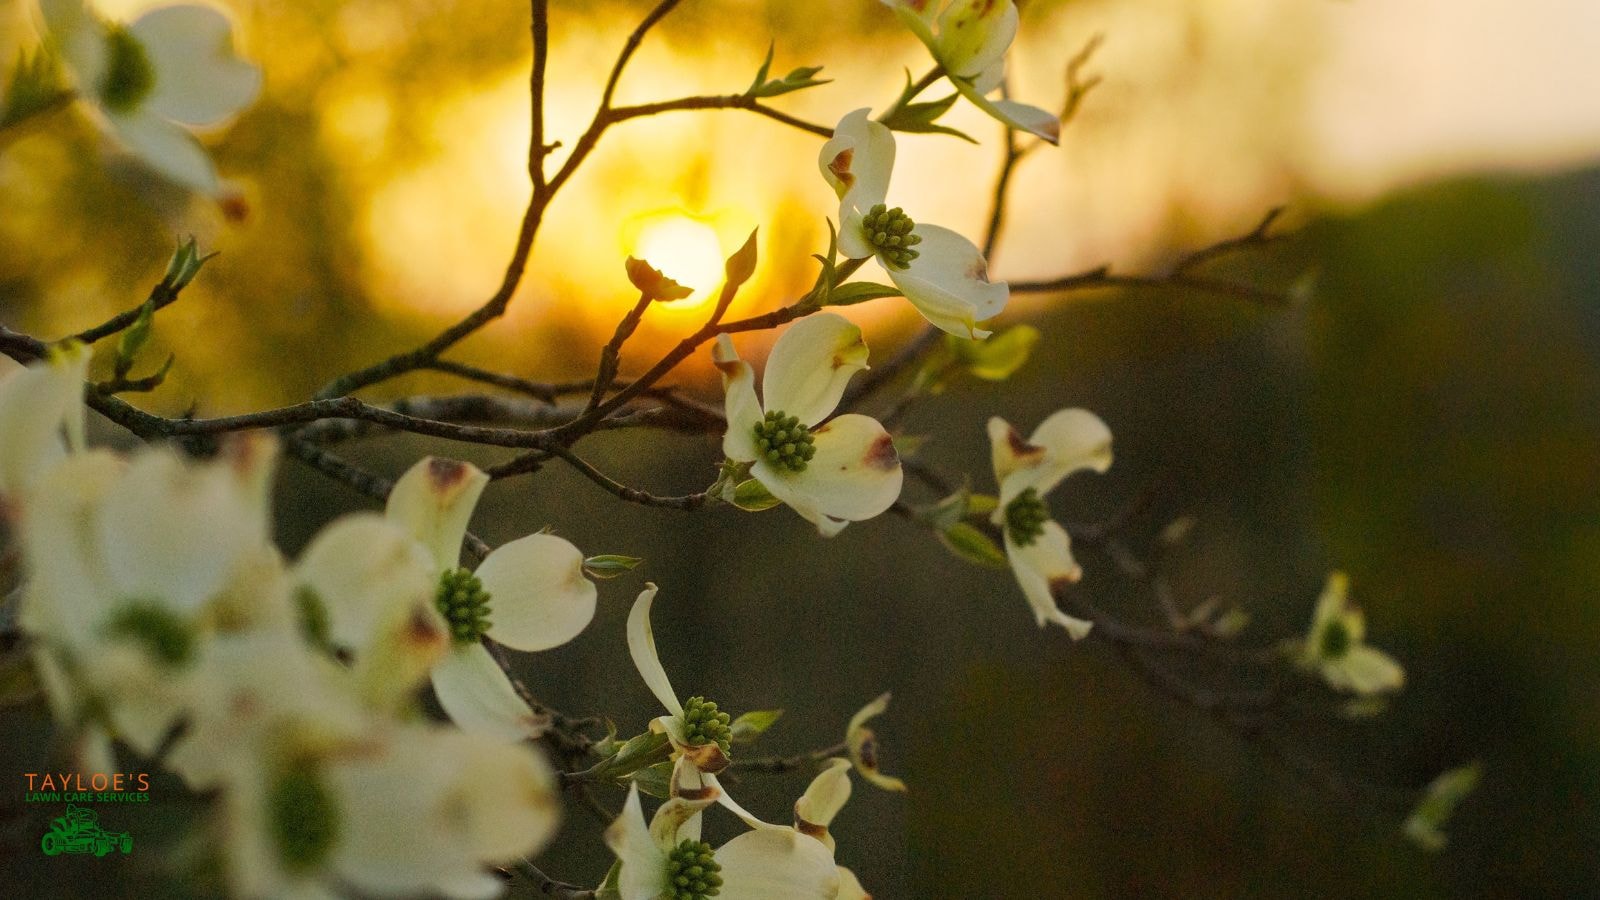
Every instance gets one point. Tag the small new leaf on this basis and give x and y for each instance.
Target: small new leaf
(972, 545)
(655, 780)
(923, 118)
(752, 496)
(948, 511)
(752, 725)
(798, 79)
(610, 565)
(859, 292)
(184, 266)
(1425, 826)
(133, 339)
(998, 357)
(642, 750)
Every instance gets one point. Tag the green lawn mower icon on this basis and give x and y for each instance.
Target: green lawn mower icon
(79, 831)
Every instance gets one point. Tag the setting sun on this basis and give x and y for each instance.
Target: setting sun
(684, 249)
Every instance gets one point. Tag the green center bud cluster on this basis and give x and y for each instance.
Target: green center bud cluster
(692, 872)
(704, 724)
(304, 819)
(129, 77)
(464, 604)
(1335, 640)
(893, 233)
(1025, 518)
(159, 630)
(784, 442)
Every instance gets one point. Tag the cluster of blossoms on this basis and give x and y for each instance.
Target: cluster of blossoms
(161, 616)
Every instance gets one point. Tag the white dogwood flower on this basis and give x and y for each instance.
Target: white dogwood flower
(845, 470)
(943, 274)
(529, 594)
(173, 66)
(699, 731)
(1336, 647)
(969, 40)
(1038, 548)
(667, 859)
(41, 414)
(319, 797)
(126, 563)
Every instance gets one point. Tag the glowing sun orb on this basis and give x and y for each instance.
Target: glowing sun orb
(685, 250)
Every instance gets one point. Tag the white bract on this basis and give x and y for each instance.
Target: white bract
(41, 414)
(1336, 647)
(173, 66)
(815, 811)
(969, 40)
(1038, 548)
(529, 594)
(862, 744)
(943, 274)
(666, 860)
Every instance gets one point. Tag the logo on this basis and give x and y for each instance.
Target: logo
(78, 831)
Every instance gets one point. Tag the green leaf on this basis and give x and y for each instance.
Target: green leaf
(608, 745)
(922, 118)
(972, 545)
(949, 511)
(754, 724)
(997, 357)
(859, 292)
(655, 780)
(797, 79)
(133, 339)
(752, 496)
(1425, 825)
(761, 73)
(610, 565)
(981, 505)
(641, 750)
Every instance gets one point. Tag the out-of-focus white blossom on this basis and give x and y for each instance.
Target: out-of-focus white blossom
(1336, 647)
(173, 66)
(41, 414)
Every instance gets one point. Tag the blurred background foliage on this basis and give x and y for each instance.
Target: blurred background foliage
(1425, 420)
